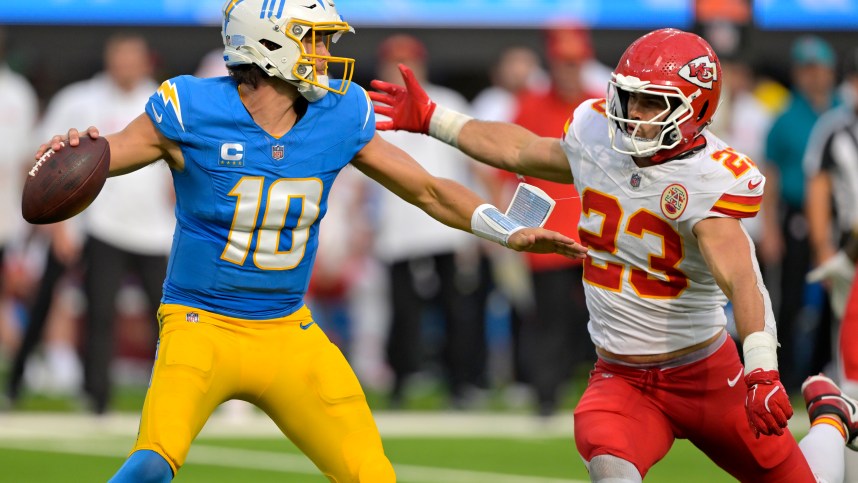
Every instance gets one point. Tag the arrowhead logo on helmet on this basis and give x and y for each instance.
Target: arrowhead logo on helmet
(701, 72)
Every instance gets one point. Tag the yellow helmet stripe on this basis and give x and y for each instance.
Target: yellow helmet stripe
(229, 8)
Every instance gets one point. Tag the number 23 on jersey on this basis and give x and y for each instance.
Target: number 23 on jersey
(672, 281)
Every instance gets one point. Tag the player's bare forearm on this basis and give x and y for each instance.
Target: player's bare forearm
(748, 305)
(727, 252)
(443, 199)
(513, 148)
(449, 202)
(502, 145)
(140, 144)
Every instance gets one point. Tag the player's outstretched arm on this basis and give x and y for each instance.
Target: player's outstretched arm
(727, 251)
(502, 145)
(138, 145)
(453, 204)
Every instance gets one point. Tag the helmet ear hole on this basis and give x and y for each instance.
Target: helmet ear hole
(272, 46)
(703, 110)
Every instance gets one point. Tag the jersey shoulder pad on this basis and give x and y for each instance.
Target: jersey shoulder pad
(587, 121)
(591, 108)
(170, 106)
(721, 182)
(355, 111)
(743, 197)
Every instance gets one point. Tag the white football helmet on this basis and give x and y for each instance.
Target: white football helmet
(268, 33)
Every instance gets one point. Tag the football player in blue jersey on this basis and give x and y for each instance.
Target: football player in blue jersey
(253, 157)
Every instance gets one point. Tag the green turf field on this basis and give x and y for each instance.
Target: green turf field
(477, 460)
(424, 447)
(52, 441)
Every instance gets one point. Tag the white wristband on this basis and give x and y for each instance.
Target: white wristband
(761, 352)
(446, 124)
(489, 223)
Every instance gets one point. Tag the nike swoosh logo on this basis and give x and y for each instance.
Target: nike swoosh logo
(305, 327)
(752, 186)
(158, 117)
(732, 382)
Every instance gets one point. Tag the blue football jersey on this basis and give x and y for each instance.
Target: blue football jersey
(248, 204)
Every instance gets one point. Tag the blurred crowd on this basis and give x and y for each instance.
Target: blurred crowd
(416, 305)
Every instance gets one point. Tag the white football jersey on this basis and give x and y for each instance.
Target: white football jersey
(649, 290)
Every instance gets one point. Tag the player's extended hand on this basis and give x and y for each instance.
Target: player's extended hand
(540, 240)
(767, 403)
(409, 108)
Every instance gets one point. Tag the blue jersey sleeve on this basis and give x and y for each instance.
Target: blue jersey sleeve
(166, 111)
(367, 115)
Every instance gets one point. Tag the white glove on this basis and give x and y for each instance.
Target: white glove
(838, 271)
(838, 266)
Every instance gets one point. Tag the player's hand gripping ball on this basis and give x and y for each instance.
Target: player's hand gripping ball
(63, 183)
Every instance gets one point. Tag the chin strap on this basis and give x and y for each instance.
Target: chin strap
(681, 151)
(312, 92)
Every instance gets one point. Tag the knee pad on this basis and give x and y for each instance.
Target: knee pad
(144, 466)
(610, 469)
(376, 469)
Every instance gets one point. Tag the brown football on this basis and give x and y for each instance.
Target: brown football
(63, 183)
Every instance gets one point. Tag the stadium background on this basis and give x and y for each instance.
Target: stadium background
(56, 42)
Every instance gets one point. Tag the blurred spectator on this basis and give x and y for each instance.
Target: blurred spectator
(212, 65)
(435, 272)
(574, 42)
(51, 319)
(831, 162)
(18, 111)
(518, 69)
(128, 229)
(553, 329)
(831, 169)
(785, 232)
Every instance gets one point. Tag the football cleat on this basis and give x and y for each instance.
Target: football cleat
(823, 397)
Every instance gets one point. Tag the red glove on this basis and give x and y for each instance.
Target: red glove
(409, 108)
(767, 403)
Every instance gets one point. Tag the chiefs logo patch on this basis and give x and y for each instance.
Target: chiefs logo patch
(674, 199)
(702, 72)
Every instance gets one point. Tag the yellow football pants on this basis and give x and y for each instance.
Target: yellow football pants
(287, 367)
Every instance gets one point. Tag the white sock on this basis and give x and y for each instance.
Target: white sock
(823, 450)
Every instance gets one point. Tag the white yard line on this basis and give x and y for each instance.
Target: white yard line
(202, 454)
(391, 425)
(256, 425)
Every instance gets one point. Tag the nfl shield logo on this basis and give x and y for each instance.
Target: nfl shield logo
(277, 152)
(192, 317)
(635, 181)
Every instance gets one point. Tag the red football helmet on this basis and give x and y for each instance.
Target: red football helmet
(680, 67)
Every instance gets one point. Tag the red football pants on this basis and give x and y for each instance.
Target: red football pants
(636, 414)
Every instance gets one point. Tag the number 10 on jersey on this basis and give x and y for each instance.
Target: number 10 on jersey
(250, 200)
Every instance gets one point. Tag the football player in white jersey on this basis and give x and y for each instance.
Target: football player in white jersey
(662, 201)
